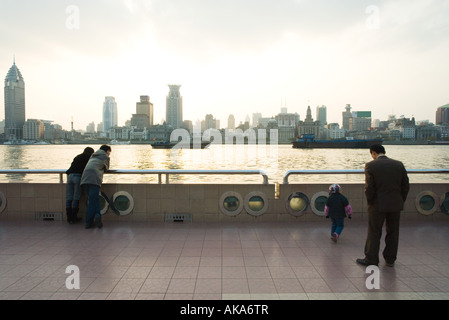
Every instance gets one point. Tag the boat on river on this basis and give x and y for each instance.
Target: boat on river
(178, 145)
(118, 142)
(308, 141)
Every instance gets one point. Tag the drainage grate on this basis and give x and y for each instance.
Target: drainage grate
(177, 217)
(49, 216)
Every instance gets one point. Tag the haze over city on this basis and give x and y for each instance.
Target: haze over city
(230, 57)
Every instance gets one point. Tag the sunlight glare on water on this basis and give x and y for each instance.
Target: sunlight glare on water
(274, 160)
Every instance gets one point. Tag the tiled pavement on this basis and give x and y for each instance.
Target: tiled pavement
(216, 261)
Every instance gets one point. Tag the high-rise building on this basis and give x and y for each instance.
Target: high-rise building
(210, 122)
(140, 121)
(145, 107)
(109, 113)
(14, 104)
(321, 115)
(174, 107)
(256, 119)
(188, 124)
(33, 129)
(346, 116)
(442, 116)
(287, 119)
(360, 121)
(90, 127)
(231, 122)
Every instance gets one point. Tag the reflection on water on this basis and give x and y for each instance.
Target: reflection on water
(13, 158)
(274, 160)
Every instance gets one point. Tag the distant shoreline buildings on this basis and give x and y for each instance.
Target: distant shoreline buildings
(140, 127)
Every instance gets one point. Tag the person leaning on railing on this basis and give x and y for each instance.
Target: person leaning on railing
(73, 188)
(91, 181)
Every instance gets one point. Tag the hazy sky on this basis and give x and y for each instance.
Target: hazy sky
(230, 56)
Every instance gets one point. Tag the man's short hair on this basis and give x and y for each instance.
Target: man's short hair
(105, 148)
(377, 148)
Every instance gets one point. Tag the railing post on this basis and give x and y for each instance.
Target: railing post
(265, 177)
(286, 178)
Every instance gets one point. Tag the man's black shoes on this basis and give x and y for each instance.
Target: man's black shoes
(365, 262)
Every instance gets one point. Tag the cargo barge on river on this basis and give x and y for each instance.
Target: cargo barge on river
(178, 145)
(308, 141)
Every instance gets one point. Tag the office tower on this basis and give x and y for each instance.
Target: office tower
(231, 122)
(145, 107)
(256, 118)
(109, 113)
(33, 129)
(140, 121)
(211, 123)
(90, 127)
(174, 107)
(442, 116)
(321, 115)
(346, 116)
(14, 104)
(287, 119)
(188, 124)
(360, 121)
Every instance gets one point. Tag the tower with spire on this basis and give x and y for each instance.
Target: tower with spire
(308, 126)
(14, 103)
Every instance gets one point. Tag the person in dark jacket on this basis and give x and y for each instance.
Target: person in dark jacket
(386, 188)
(73, 189)
(337, 208)
(91, 181)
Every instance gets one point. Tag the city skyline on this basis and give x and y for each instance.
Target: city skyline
(388, 57)
(174, 112)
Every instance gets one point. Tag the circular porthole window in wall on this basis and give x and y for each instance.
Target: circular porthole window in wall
(444, 203)
(2, 202)
(123, 202)
(231, 203)
(426, 202)
(297, 204)
(318, 203)
(256, 203)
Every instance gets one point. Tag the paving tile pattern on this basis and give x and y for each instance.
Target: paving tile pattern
(216, 261)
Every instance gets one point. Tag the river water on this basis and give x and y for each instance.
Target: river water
(275, 160)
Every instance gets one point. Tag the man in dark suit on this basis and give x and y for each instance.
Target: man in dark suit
(386, 189)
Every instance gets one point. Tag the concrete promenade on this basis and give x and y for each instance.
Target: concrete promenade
(216, 261)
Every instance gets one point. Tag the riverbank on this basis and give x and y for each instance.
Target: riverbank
(92, 142)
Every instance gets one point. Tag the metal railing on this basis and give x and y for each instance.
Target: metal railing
(360, 171)
(35, 171)
(167, 173)
(160, 173)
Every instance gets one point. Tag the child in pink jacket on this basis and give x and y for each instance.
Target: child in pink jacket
(337, 208)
